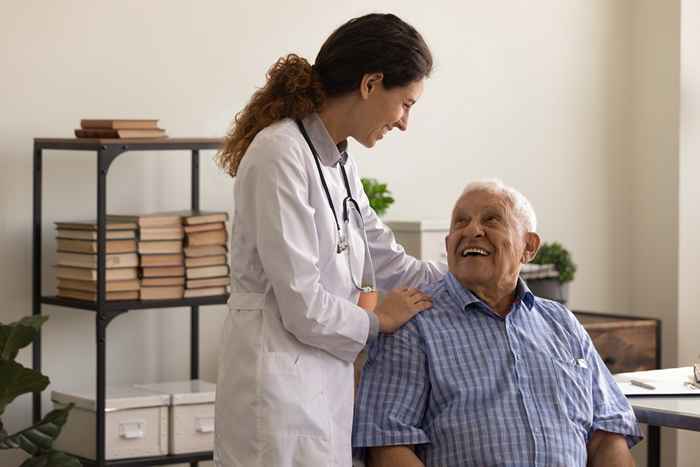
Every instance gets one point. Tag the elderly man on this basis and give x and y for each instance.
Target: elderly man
(491, 375)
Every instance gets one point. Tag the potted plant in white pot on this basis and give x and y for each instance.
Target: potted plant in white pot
(549, 274)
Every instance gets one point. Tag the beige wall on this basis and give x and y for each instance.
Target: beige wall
(689, 219)
(557, 98)
(651, 172)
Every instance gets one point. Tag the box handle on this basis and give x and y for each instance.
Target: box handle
(204, 424)
(132, 429)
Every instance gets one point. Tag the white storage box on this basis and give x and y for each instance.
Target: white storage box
(136, 423)
(423, 239)
(191, 414)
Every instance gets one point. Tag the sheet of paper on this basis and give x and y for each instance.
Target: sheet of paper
(670, 381)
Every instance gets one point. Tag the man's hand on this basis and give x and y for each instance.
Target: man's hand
(609, 450)
(393, 456)
(399, 306)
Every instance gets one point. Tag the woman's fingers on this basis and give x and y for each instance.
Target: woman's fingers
(415, 297)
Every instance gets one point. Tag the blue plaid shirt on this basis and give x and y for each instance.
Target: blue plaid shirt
(470, 388)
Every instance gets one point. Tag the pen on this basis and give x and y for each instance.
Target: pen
(692, 385)
(641, 384)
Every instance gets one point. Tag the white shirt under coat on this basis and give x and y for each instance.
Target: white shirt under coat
(285, 390)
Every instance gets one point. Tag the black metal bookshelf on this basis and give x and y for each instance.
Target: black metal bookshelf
(107, 150)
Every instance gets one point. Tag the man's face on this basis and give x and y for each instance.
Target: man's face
(487, 245)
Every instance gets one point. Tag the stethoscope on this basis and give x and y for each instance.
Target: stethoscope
(351, 210)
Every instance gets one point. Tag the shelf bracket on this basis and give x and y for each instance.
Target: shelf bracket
(106, 316)
(107, 154)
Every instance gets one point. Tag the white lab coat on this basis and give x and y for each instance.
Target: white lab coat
(285, 383)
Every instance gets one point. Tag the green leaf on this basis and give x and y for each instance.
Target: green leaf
(16, 380)
(554, 253)
(378, 195)
(19, 334)
(39, 438)
(52, 459)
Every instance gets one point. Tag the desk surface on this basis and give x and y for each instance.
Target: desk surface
(670, 411)
(677, 410)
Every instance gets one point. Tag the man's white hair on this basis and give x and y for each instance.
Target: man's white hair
(522, 209)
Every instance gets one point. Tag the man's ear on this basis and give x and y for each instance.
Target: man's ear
(532, 244)
(369, 83)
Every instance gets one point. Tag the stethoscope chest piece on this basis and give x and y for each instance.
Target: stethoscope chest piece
(342, 243)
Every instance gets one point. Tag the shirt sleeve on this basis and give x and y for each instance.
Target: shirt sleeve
(287, 242)
(611, 409)
(393, 266)
(393, 392)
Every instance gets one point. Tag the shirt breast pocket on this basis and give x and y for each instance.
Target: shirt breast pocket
(574, 390)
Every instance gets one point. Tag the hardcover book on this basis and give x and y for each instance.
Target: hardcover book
(118, 123)
(92, 225)
(206, 250)
(210, 282)
(205, 217)
(205, 227)
(212, 237)
(92, 296)
(208, 271)
(91, 286)
(205, 261)
(84, 260)
(90, 246)
(92, 234)
(123, 134)
(206, 292)
(162, 293)
(87, 274)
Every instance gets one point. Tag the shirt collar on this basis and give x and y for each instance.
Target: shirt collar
(465, 297)
(328, 152)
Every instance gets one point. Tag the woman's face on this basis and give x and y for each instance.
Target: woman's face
(382, 110)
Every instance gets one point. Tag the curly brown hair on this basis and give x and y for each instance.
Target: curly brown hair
(374, 43)
(291, 91)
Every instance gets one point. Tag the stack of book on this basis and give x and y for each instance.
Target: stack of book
(120, 128)
(160, 254)
(76, 261)
(206, 254)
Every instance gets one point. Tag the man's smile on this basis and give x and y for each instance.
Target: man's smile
(472, 251)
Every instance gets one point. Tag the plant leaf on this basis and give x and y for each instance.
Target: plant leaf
(38, 438)
(19, 334)
(554, 253)
(17, 380)
(52, 459)
(378, 195)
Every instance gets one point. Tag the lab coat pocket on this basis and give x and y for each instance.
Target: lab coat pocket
(575, 390)
(293, 397)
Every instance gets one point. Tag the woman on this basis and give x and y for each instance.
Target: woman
(305, 243)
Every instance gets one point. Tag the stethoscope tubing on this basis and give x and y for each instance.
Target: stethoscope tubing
(343, 243)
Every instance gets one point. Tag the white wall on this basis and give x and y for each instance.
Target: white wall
(540, 94)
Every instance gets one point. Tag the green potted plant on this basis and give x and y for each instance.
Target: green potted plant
(379, 196)
(15, 380)
(554, 271)
(379, 199)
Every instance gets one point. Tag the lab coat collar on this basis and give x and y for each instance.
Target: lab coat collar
(328, 152)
